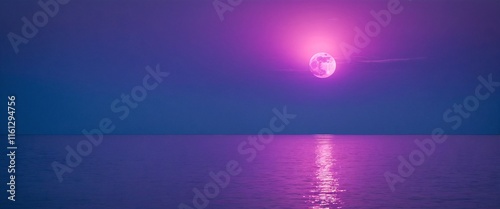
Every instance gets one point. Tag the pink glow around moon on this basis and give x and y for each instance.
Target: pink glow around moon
(322, 65)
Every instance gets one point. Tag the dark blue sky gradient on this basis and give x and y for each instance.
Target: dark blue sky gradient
(226, 77)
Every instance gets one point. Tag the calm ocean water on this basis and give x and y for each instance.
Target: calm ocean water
(320, 171)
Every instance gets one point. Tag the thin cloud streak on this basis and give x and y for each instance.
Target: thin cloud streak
(391, 60)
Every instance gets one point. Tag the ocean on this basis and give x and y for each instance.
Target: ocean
(242, 171)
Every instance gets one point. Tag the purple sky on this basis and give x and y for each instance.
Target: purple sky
(227, 76)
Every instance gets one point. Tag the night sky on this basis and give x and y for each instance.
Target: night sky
(227, 76)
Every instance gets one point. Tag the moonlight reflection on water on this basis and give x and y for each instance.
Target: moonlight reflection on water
(326, 188)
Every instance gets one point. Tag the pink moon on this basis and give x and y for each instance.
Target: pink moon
(322, 65)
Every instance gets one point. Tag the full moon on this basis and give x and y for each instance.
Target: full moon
(322, 65)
